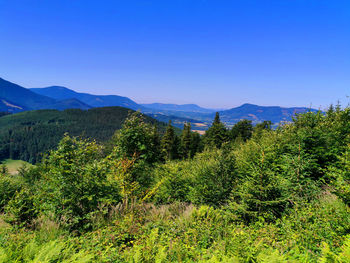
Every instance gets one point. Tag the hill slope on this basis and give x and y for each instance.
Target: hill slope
(17, 98)
(27, 134)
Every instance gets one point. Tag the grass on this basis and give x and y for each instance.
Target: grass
(14, 165)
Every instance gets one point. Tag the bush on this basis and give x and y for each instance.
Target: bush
(74, 182)
(9, 186)
(21, 209)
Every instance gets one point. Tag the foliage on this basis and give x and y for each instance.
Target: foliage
(339, 176)
(28, 135)
(186, 141)
(9, 186)
(74, 182)
(217, 134)
(3, 170)
(242, 130)
(265, 196)
(21, 209)
(169, 143)
(137, 139)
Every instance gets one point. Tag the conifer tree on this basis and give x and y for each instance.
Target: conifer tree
(260, 127)
(196, 144)
(169, 143)
(186, 140)
(216, 135)
(242, 129)
(156, 142)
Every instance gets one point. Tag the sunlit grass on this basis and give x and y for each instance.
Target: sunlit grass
(14, 165)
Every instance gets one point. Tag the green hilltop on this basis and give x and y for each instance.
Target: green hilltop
(27, 135)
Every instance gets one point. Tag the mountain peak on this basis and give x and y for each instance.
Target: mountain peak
(59, 87)
(249, 105)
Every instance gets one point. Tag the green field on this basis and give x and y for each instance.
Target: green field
(14, 165)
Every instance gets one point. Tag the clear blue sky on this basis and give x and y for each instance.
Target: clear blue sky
(216, 53)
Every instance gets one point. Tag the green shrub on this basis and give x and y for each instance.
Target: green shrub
(21, 209)
(74, 182)
(9, 186)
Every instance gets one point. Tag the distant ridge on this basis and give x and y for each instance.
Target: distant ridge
(22, 98)
(176, 107)
(63, 93)
(258, 113)
(15, 98)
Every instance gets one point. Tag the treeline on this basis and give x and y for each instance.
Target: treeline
(248, 194)
(173, 145)
(29, 135)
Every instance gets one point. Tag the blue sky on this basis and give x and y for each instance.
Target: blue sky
(216, 53)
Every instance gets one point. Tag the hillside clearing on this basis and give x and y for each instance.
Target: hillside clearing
(14, 165)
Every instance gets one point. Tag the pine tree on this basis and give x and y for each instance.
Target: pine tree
(216, 135)
(196, 144)
(262, 126)
(186, 141)
(169, 143)
(242, 129)
(156, 143)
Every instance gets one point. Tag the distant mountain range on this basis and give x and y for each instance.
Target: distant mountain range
(257, 114)
(176, 107)
(63, 93)
(14, 98)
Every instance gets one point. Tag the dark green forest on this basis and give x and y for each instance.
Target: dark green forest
(245, 194)
(28, 135)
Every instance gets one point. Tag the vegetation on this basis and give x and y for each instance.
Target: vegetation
(28, 135)
(248, 194)
(14, 166)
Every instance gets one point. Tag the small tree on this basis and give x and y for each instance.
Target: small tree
(169, 143)
(137, 139)
(196, 144)
(242, 129)
(186, 141)
(216, 135)
(74, 182)
(263, 190)
(265, 125)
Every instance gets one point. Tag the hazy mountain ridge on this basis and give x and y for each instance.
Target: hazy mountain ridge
(22, 97)
(14, 98)
(178, 107)
(257, 113)
(60, 93)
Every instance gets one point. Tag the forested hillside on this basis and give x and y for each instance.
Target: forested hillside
(28, 135)
(246, 194)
